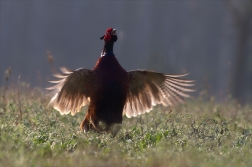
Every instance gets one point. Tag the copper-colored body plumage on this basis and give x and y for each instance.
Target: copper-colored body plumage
(108, 93)
(112, 92)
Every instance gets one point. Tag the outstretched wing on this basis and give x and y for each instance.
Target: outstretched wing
(149, 88)
(72, 91)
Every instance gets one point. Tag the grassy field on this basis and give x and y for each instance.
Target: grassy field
(198, 133)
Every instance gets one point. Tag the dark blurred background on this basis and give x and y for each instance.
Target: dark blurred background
(209, 39)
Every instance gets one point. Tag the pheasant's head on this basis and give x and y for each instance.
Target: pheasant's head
(110, 35)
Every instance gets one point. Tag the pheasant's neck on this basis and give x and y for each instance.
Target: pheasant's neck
(108, 49)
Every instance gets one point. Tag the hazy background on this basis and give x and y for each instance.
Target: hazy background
(209, 39)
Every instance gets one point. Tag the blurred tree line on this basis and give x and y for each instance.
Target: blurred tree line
(209, 39)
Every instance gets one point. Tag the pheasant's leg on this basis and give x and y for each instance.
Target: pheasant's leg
(114, 129)
(89, 123)
(85, 125)
(95, 123)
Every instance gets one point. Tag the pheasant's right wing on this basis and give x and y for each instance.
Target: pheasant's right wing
(149, 88)
(72, 91)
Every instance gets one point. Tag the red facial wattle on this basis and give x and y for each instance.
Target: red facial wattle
(107, 35)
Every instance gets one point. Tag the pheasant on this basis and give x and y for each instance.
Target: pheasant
(112, 92)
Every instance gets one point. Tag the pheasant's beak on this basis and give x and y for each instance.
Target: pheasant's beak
(113, 32)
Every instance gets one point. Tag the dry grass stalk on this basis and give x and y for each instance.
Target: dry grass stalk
(7, 75)
(19, 104)
(51, 61)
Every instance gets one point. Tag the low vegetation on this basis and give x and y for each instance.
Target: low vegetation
(198, 133)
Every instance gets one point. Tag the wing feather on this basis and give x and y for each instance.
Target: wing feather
(72, 91)
(149, 88)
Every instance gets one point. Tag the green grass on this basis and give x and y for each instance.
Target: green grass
(198, 133)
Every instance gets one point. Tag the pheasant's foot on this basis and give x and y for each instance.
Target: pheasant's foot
(85, 125)
(114, 129)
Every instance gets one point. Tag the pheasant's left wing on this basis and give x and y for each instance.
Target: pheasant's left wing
(148, 88)
(72, 91)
